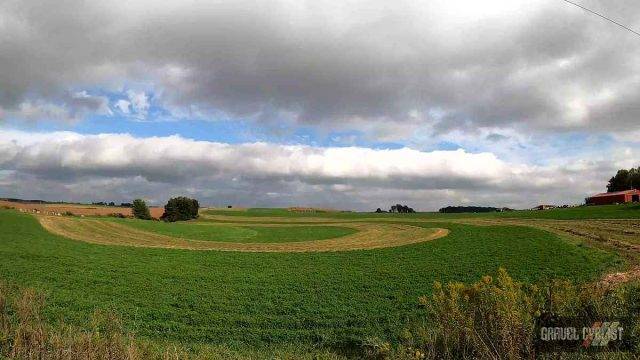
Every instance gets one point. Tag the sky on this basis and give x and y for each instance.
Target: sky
(336, 104)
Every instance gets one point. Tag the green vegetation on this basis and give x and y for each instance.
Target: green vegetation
(242, 234)
(181, 209)
(499, 318)
(25, 334)
(623, 211)
(625, 180)
(261, 299)
(140, 210)
(494, 318)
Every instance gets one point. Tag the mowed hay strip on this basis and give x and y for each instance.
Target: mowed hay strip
(221, 219)
(267, 219)
(369, 236)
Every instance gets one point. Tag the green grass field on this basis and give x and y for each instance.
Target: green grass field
(623, 211)
(242, 234)
(259, 299)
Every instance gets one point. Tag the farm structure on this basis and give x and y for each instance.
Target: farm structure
(544, 207)
(617, 197)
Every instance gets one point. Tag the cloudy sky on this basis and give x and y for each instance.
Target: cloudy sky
(342, 104)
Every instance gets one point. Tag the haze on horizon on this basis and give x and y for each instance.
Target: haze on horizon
(339, 104)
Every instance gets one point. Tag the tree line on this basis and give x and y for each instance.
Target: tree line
(625, 180)
(468, 209)
(398, 208)
(177, 209)
(104, 203)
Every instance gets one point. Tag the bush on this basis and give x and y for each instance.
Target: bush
(499, 318)
(141, 210)
(181, 209)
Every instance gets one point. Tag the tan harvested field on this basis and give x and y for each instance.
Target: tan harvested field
(369, 236)
(620, 233)
(294, 220)
(77, 209)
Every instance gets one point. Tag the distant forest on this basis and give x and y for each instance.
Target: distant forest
(468, 209)
(35, 201)
(625, 180)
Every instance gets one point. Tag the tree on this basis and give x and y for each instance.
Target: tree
(625, 180)
(399, 208)
(140, 210)
(180, 209)
(470, 209)
(378, 210)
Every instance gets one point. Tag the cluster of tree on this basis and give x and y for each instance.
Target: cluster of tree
(23, 201)
(103, 203)
(468, 209)
(140, 210)
(99, 203)
(625, 180)
(397, 209)
(177, 209)
(180, 209)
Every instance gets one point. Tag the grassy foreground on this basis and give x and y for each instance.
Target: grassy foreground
(494, 318)
(261, 299)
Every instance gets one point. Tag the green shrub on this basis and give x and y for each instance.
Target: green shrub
(141, 210)
(500, 318)
(181, 209)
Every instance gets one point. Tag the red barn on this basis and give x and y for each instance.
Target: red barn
(617, 197)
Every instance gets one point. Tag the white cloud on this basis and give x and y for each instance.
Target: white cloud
(139, 103)
(247, 173)
(81, 101)
(124, 106)
(39, 110)
(71, 107)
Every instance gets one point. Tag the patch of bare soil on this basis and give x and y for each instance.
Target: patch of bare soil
(613, 279)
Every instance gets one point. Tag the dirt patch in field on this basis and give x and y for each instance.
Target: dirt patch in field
(611, 280)
(369, 236)
(76, 209)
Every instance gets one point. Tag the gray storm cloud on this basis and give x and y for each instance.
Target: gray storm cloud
(449, 64)
(504, 79)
